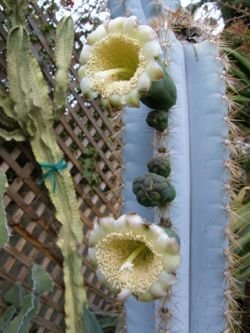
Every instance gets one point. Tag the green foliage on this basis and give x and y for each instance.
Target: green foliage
(23, 307)
(90, 322)
(153, 190)
(4, 232)
(16, 10)
(157, 119)
(160, 166)
(89, 166)
(240, 69)
(240, 225)
(29, 106)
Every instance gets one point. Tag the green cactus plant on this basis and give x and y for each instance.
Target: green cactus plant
(158, 119)
(160, 166)
(153, 190)
(22, 306)
(30, 108)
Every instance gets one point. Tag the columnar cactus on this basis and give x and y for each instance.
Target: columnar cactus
(29, 114)
(199, 120)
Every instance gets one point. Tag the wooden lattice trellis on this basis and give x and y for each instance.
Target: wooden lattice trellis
(29, 211)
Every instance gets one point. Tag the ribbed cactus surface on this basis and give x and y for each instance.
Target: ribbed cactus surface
(197, 130)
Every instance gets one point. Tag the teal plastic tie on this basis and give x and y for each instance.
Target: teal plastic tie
(52, 169)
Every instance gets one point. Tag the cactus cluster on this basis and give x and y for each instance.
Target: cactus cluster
(153, 190)
(159, 165)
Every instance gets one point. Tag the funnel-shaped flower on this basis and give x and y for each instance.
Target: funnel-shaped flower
(134, 258)
(119, 62)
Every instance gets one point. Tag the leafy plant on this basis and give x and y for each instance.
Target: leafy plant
(89, 162)
(23, 306)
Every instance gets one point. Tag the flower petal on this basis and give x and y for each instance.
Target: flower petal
(85, 54)
(135, 222)
(146, 297)
(115, 25)
(151, 49)
(101, 276)
(86, 84)
(171, 263)
(161, 242)
(107, 223)
(145, 33)
(92, 255)
(157, 290)
(115, 100)
(130, 25)
(143, 83)
(166, 280)
(96, 234)
(82, 72)
(97, 35)
(133, 99)
(154, 70)
(124, 294)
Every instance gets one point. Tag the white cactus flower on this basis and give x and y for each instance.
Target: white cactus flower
(119, 62)
(134, 258)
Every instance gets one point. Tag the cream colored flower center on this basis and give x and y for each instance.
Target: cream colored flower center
(115, 64)
(128, 261)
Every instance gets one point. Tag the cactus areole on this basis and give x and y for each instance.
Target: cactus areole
(121, 63)
(134, 258)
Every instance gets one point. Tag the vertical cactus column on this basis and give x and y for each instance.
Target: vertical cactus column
(209, 197)
(199, 174)
(176, 143)
(137, 150)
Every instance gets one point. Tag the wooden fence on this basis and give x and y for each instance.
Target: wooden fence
(85, 129)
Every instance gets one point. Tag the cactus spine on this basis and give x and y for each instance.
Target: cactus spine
(30, 107)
